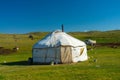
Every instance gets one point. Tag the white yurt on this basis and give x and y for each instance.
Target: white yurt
(59, 47)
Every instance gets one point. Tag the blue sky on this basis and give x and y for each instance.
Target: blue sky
(23, 16)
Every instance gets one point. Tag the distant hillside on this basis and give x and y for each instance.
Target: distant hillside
(101, 37)
(112, 36)
(38, 33)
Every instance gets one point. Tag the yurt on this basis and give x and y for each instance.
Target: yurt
(59, 47)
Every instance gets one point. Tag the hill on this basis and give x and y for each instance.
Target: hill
(12, 40)
(99, 36)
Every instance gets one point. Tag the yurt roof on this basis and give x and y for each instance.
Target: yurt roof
(58, 38)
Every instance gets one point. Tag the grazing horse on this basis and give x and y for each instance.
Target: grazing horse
(31, 37)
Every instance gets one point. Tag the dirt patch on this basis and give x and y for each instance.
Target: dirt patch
(112, 45)
(4, 51)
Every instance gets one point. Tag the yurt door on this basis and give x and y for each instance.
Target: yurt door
(66, 55)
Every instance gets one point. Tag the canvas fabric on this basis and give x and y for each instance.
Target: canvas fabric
(66, 55)
(46, 55)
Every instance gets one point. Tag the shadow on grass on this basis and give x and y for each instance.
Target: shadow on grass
(20, 63)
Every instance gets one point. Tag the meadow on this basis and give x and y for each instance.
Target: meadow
(103, 62)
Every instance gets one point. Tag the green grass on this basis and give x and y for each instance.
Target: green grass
(107, 67)
(103, 63)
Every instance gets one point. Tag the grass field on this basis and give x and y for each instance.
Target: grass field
(103, 63)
